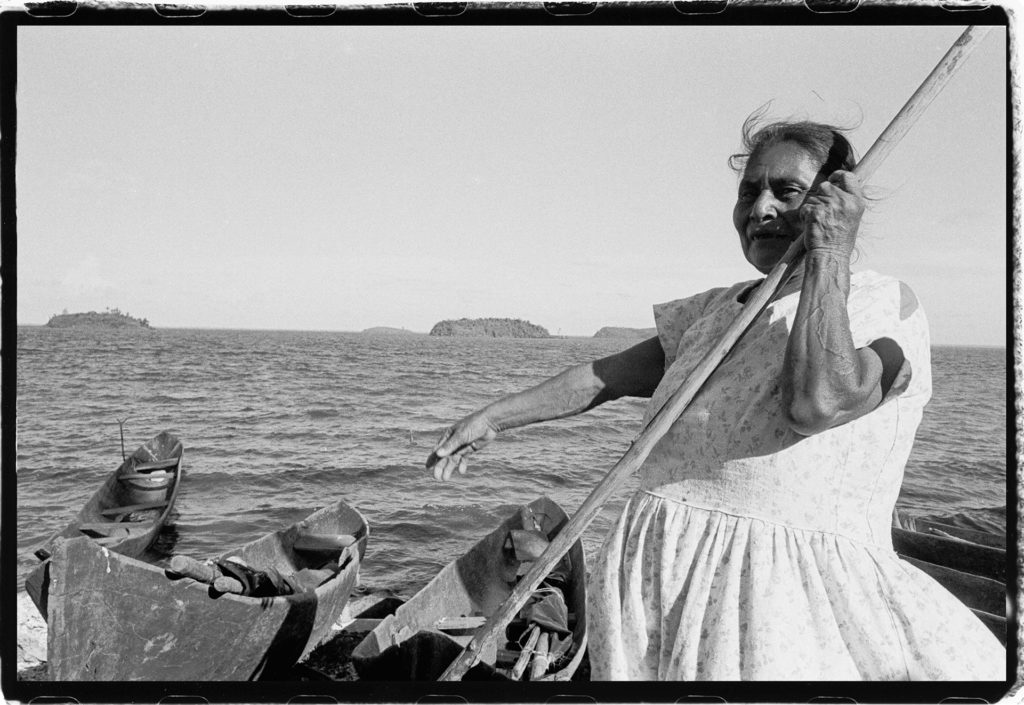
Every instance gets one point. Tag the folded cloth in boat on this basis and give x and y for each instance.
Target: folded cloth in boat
(257, 583)
(546, 608)
(272, 582)
(559, 576)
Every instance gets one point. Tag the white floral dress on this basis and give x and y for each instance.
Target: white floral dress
(753, 553)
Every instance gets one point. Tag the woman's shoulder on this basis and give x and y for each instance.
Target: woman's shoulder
(869, 286)
(710, 297)
(673, 318)
(866, 279)
(882, 306)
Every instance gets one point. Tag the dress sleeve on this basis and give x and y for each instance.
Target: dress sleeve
(888, 308)
(673, 318)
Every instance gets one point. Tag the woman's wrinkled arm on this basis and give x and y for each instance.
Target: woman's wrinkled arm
(827, 381)
(633, 372)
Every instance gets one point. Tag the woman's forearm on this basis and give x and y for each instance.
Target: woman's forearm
(632, 372)
(574, 391)
(827, 381)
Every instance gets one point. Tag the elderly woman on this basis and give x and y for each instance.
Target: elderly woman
(758, 545)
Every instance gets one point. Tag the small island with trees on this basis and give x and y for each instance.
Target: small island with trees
(110, 318)
(615, 332)
(489, 328)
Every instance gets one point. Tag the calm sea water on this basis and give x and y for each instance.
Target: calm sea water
(277, 424)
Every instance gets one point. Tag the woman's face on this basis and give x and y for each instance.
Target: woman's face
(766, 214)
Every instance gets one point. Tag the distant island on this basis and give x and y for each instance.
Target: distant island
(490, 328)
(613, 332)
(111, 318)
(387, 330)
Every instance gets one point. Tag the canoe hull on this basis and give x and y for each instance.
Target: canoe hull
(972, 565)
(130, 538)
(116, 618)
(478, 583)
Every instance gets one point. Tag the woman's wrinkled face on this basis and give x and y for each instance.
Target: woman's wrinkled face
(773, 187)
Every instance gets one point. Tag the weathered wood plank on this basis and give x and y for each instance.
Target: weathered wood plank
(983, 538)
(460, 625)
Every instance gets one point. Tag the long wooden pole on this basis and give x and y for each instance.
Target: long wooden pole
(681, 398)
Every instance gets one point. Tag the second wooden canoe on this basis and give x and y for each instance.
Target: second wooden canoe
(475, 585)
(126, 513)
(969, 563)
(117, 618)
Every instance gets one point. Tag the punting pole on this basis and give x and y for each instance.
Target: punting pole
(681, 398)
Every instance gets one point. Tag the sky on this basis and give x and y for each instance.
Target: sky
(341, 178)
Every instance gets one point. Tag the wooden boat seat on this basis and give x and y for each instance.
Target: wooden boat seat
(460, 626)
(145, 475)
(105, 525)
(157, 465)
(107, 540)
(323, 543)
(129, 508)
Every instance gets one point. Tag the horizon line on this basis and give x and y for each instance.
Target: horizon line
(408, 331)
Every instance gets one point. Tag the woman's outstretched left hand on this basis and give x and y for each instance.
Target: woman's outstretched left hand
(468, 435)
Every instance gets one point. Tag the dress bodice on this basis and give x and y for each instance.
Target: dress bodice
(732, 449)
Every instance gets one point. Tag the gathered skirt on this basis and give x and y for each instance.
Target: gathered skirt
(687, 593)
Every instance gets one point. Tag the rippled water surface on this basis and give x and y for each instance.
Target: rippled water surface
(276, 424)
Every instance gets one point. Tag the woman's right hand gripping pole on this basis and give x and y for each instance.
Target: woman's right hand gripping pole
(468, 435)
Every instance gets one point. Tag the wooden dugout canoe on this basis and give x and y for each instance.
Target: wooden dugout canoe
(126, 513)
(970, 564)
(475, 585)
(117, 618)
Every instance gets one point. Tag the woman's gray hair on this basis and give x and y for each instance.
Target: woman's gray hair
(826, 144)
